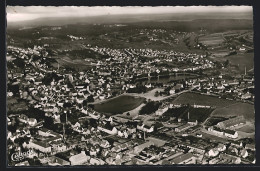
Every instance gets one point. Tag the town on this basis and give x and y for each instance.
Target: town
(100, 105)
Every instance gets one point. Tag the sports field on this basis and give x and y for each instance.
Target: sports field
(199, 99)
(119, 105)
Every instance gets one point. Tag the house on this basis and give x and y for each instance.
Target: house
(239, 120)
(56, 161)
(221, 147)
(172, 91)
(187, 158)
(145, 128)
(160, 111)
(250, 147)
(32, 121)
(24, 163)
(213, 152)
(193, 122)
(46, 133)
(79, 159)
(104, 144)
(39, 145)
(243, 153)
(214, 161)
(216, 130)
(23, 118)
(94, 115)
(230, 133)
(112, 131)
(94, 161)
(230, 158)
(196, 149)
(58, 146)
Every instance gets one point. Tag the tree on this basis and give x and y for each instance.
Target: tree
(48, 122)
(14, 89)
(157, 125)
(19, 63)
(90, 98)
(149, 108)
(85, 103)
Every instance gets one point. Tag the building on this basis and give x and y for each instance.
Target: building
(94, 161)
(196, 149)
(56, 161)
(250, 147)
(32, 121)
(213, 152)
(140, 148)
(79, 159)
(221, 147)
(24, 163)
(145, 128)
(187, 158)
(160, 111)
(230, 158)
(112, 131)
(232, 122)
(183, 128)
(216, 130)
(41, 146)
(230, 133)
(46, 133)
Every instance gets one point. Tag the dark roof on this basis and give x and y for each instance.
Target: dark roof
(217, 129)
(230, 131)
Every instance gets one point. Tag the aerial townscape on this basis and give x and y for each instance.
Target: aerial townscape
(139, 89)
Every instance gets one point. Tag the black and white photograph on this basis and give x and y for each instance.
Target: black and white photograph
(130, 85)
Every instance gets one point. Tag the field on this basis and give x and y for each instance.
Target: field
(247, 128)
(199, 99)
(245, 109)
(212, 39)
(78, 64)
(242, 61)
(119, 105)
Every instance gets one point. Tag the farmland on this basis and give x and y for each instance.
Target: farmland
(199, 99)
(212, 39)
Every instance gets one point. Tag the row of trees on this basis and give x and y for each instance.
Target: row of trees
(149, 108)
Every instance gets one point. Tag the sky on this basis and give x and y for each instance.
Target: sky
(20, 13)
